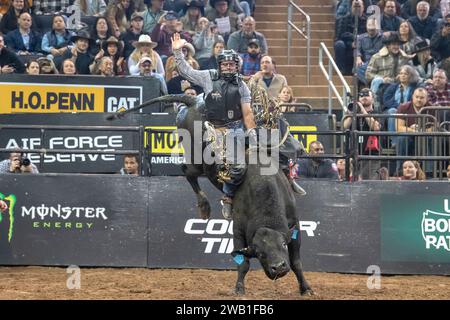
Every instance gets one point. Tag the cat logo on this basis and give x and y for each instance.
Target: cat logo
(230, 114)
(216, 95)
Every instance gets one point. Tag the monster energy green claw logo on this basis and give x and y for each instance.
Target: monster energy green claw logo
(12, 203)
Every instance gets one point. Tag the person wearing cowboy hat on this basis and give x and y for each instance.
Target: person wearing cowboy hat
(193, 11)
(423, 61)
(144, 46)
(131, 36)
(113, 48)
(188, 52)
(384, 65)
(79, 54)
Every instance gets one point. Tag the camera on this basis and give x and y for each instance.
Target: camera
(25, 162)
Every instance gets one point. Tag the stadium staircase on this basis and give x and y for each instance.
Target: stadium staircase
(271, 20)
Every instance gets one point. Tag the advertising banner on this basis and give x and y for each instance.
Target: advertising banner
(81, 220)
(61, 93)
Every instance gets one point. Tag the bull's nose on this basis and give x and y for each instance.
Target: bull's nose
(279, 268)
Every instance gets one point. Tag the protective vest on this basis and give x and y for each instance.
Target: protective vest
(223, 103)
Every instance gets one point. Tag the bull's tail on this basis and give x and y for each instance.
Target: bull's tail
(189, 101)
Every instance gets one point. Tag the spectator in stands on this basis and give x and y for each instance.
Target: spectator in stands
(448, 172)
(130, 165)
(162, 34)
(240, 40)
(286, 95)
(440, 42)
(409, 8)
(423, 24)
(9, 21)
(369, 145)
(340, 164)
(317, 167)
(423, 61)
(411, 170)
(408, 37)
(153, 15)
(144, 46)
(406, 145)
(24, 40)
(47, 66)
(32, 67)
(131, 37)
(80, 52)
(251, 60)
(399, 92)
(50, 7)
(445, 7)
(116, 14)
(106, 67)
(368, 44)
(93, 8)
(17, 163)
(384, 66)
(9, 61)
(57, 41)
(390, 21)
(99, 34)
(68, 67)
(222, 15)
(113, 48)
(4, 6)
(193, 11)
(188, 52)
(204, 39)
(217, 47)
(145, 67)
(344, 37)
(267, 78)
(439, 89)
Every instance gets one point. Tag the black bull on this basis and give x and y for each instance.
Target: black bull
(265, 224)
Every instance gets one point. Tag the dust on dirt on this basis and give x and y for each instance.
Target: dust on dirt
(176, 284)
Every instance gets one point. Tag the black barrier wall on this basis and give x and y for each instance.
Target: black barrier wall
(97, 220)
(165, 153)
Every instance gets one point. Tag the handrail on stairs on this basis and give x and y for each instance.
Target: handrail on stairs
(346, 92)
(307, 36)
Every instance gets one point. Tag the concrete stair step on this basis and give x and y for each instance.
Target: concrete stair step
(281, 33)
(310, 10)
(300, 44)
(295, 50)
(317, 91)
(319, 103)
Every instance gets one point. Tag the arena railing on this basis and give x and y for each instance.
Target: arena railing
(346, 92)
(429, 142)
(298, 106)
(45, 150)
(306, 36)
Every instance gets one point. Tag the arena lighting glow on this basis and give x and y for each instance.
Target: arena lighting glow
(12, 203)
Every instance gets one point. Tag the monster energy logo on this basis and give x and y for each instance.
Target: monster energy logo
(12, 203)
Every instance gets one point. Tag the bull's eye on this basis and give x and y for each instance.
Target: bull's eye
(284, 244)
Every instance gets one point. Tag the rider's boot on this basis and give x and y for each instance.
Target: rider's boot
(227, 207)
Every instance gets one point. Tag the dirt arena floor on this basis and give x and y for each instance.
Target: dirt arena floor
(171, 284)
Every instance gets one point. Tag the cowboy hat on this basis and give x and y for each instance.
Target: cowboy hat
(194, 4)
(190, 48)
(212, 3)
(144, 39)
(421, 46)
(393, 37)
(82, 34)
(112, 40)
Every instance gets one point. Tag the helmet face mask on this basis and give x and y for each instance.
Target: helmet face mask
(228, 56)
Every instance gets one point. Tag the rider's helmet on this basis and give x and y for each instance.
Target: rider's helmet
(228, 55)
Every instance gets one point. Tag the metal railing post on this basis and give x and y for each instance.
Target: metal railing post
(289, 32)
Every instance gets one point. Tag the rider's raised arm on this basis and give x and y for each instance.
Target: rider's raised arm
(200, 78)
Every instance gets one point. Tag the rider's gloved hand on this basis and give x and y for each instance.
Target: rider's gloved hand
(252, 137)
